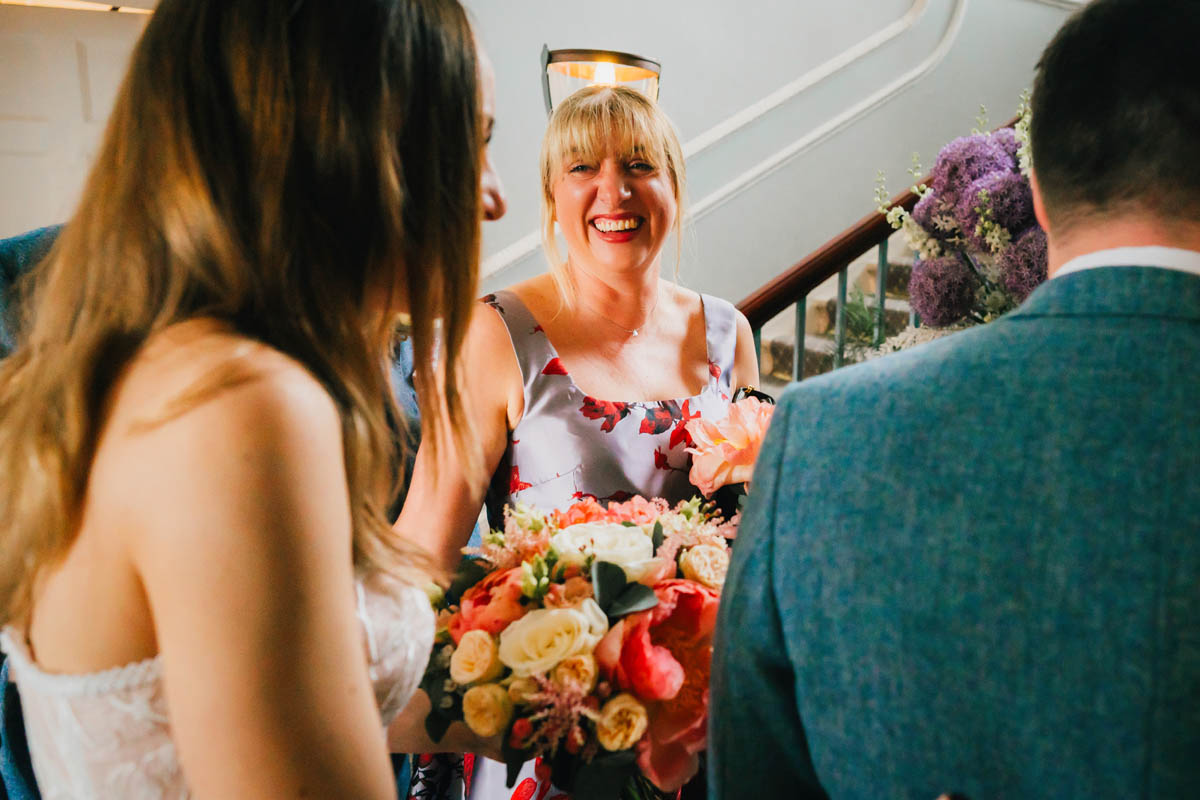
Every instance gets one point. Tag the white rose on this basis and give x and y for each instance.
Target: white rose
(538, 641)
(627, 546)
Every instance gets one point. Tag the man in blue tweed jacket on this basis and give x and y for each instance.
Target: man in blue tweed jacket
(974, 567)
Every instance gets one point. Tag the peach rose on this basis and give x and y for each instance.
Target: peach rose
(487, 709)
(726, 450)
(489, 605)
(475, 660)
(623, 722)
(578, 671)
(706, 564)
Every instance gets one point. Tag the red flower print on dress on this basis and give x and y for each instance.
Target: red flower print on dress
(515, 484)
(680, 435)
(714, 370)
(537, 328)
(619, 496)
(468, 772)
(659, 418)
(610, 412)
(491, 300)
(555, 367)
(525, 790)
(662, 462)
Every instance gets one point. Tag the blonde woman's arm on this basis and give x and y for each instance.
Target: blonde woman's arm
(443, 501)
(745, 359)
(241, 535)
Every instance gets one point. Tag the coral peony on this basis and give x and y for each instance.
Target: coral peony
(489, 605)
(586, 510)
(726, 450)
(663, 656)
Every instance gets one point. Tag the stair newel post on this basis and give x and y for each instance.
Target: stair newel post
(798, 349)
(880, 292)
(840, 334)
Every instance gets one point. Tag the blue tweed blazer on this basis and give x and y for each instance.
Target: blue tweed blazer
(975, 566)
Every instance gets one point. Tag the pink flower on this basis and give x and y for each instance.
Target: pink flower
(586, 510)
(726, 450)
(638, 510)
(489, 605)
(663, 655)
(569, 593)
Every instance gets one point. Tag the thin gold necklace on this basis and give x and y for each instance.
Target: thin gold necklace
(630, 331)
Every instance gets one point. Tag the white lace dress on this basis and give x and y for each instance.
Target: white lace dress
(108, 734)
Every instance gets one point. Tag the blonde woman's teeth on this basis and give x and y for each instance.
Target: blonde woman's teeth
(611, 225)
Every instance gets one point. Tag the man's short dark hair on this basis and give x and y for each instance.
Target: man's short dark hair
(1116, 112)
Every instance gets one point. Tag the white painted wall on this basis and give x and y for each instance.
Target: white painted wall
(786, 109)
(59, 74)
(850, 88)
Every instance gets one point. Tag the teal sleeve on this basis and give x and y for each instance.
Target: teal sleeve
(757, 745)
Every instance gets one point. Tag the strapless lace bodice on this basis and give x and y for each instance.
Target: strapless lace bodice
(108, 734)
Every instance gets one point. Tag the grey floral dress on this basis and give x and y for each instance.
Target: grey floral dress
(569, 446)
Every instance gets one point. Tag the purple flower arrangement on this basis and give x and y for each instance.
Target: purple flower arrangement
(979, 249)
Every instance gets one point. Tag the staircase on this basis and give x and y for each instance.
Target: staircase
(778, 335)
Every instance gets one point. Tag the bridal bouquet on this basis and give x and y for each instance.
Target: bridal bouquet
(583, 637)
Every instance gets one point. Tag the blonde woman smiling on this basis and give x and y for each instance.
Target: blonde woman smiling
(580, 381)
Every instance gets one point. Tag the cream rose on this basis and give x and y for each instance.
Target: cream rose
(538, 641)
(476, 659)
(520, 689)
(623, 722)
(627, 546)
(705, 564)
(487, 709)
(577, 671)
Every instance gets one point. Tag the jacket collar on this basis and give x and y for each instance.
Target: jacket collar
(1117, 291)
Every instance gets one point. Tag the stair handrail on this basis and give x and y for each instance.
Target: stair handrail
(777, 294)
(793, 285)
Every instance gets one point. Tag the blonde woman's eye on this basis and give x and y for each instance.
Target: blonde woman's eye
(641, 166)
(578, 168)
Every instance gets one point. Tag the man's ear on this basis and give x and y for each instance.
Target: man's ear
(1039, 205)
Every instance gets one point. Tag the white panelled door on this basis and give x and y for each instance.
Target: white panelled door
(59, 74)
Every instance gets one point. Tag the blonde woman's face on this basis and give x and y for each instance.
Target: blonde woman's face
(616, 212)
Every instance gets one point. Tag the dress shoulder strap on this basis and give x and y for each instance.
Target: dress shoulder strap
(535, 355)
(720, 329)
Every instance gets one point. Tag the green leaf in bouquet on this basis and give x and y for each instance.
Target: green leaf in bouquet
(514, 757)
(657, 536)
(470, 572)
(436, 725)
(634, 597)
(629, 523)
(605, 776)
(608, 580)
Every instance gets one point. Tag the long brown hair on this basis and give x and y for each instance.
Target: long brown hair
(274, 164)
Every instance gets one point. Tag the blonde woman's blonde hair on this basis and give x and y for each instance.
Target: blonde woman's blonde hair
(589, 124)
(272, 165)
